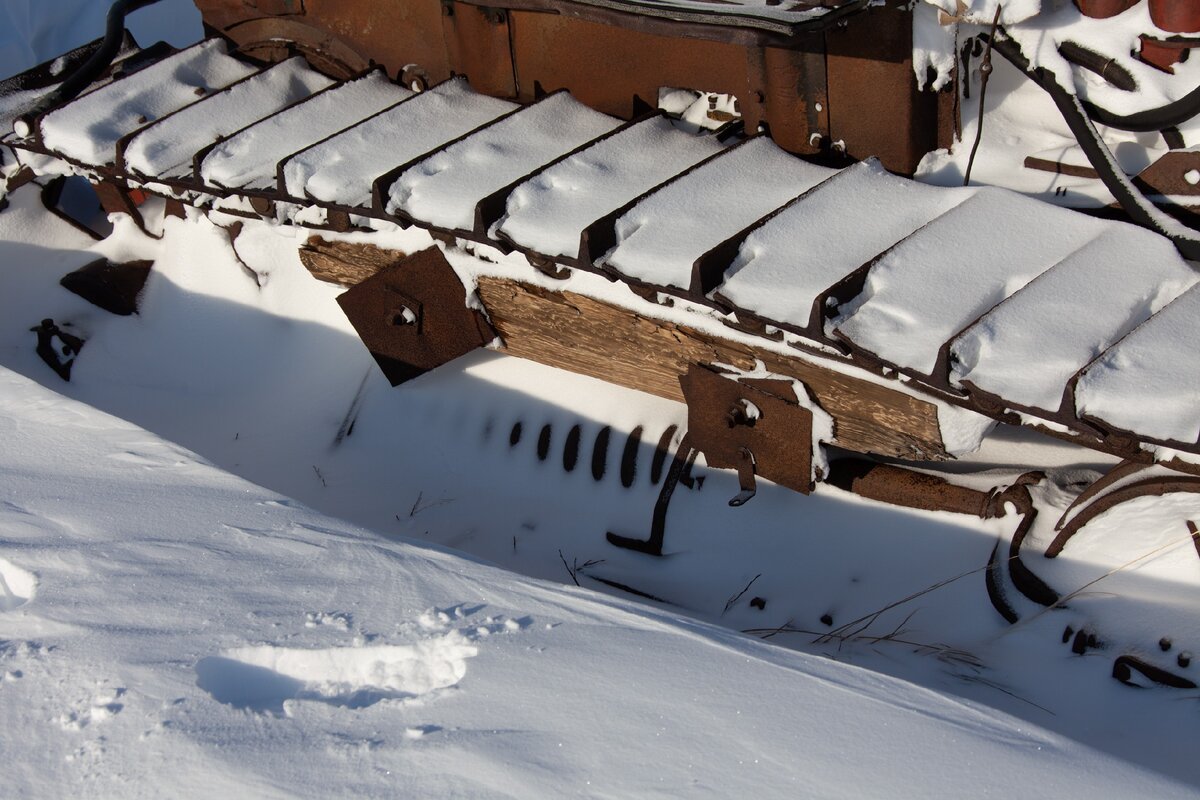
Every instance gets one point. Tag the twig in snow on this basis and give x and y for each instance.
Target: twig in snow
(320, 476)
(417, 508)
(856, 626)
(574, 571)
(738, 596)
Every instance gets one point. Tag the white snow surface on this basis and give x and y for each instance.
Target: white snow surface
(88, 129)
(549, 212)
(343, 168)
(827, 233)
(248, 158)
(172, 142)
(660, 238)
(1149, 381)
(170, 629)
(174, 624)
(444, 189)
(1027, 348)
(984, 11)
(263, 649)
(930, 286)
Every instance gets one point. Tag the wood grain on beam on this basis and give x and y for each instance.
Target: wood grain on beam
(584, 335)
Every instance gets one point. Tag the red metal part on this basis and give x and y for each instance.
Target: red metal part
(1102, 9)
(1163, 54)
(1176, 16)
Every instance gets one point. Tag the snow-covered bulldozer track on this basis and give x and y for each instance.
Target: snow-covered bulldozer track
(816, 322)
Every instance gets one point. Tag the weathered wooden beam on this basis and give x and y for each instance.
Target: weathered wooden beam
(345, 263)
(587, 336)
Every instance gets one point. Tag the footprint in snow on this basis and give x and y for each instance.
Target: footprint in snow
(263, 678)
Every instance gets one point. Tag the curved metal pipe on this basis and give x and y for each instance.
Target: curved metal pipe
(83, 77)
(1154, 119)
(1133, 202)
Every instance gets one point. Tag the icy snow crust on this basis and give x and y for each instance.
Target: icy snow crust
(1027, 348)
(88, 129)
(660, 238)
(549, 212)
(167, 147)
(194, 635)
(444, 189)
(835, 228)
(1149, 381)
(929, 287)
(342, 169)
(247, 639)
(248, 158)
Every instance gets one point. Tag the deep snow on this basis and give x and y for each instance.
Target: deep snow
(169, 628)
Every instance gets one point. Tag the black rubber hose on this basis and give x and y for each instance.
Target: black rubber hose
(1153, 119)
(1107, 68)
(83, 77)
(1133, 202)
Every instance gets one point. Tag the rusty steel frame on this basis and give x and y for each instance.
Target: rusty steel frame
(823, 82)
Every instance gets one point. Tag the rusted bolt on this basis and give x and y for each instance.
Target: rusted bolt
(201, 91)
(742, 412)
(402, 316)
(1164, 644)
(415, 78)
(1184, 659)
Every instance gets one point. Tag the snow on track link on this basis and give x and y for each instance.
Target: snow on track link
(961, 289)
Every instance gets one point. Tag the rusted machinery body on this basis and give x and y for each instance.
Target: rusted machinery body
(845, 77)
(768, 391)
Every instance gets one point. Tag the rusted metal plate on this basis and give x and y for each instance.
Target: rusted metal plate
(113, 287)
(413, 316)
(796, 89)
(606, 66)
(875, 107)
(748, 428)
(477, 40)
(354, 32)
(1175, 174)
